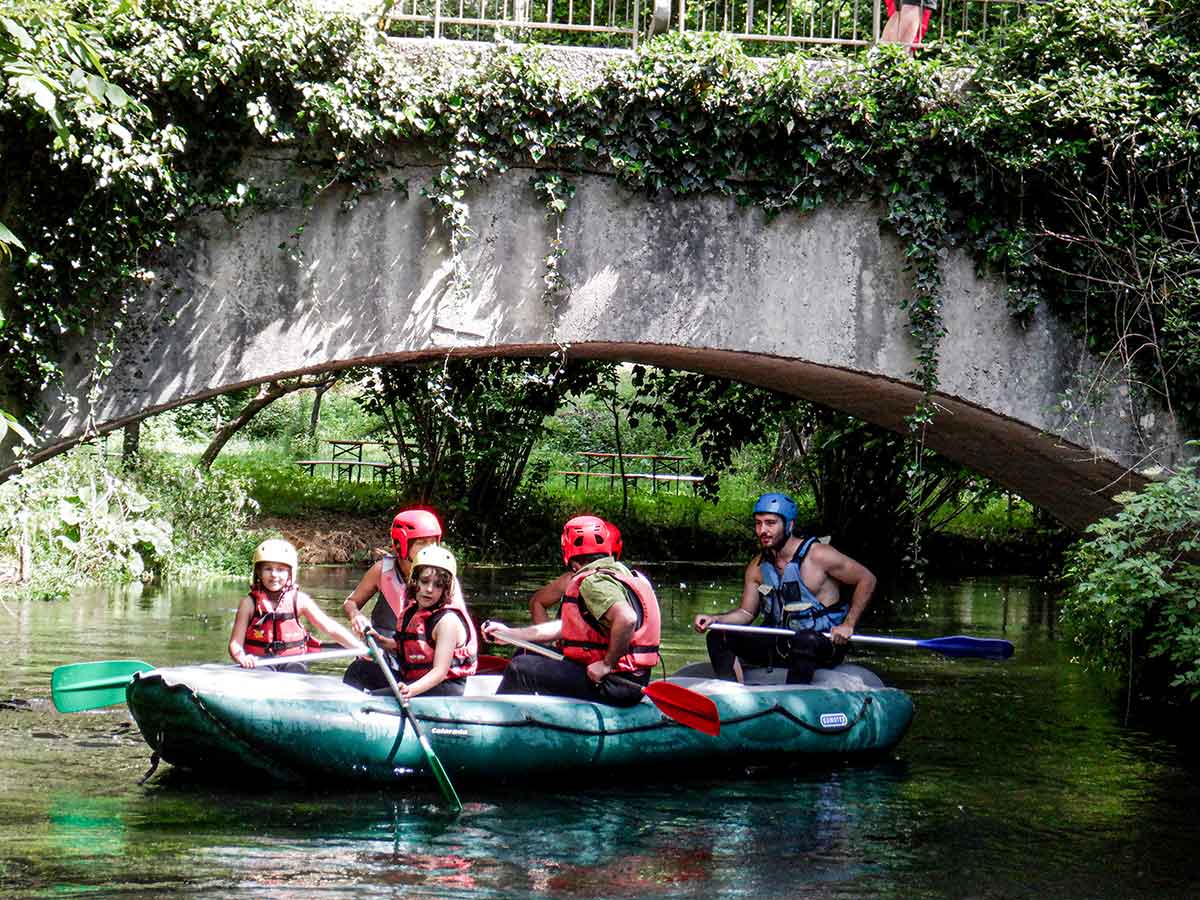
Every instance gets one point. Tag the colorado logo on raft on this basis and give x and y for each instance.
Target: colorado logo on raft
(457, 732)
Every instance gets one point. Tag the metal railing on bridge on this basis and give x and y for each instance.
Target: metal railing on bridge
(767, 27)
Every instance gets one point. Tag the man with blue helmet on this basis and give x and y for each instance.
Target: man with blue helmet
(796, 583)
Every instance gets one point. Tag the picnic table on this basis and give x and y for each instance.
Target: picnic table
(346, 460)
(665, 468)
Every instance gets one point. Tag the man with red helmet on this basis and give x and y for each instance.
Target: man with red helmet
(610, 624)
(550, 595)
(412, 529)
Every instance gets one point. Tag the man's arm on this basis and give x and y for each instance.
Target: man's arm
(547, 596)
(621, 622)
(544, 633)
(841, 567)
(747, 611)
(353, 604)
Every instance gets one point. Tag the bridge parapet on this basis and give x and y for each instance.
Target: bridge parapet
(765, 27)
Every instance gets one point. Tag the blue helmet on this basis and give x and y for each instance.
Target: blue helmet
(779, 505)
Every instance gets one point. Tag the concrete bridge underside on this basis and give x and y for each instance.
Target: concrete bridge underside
(807, 305)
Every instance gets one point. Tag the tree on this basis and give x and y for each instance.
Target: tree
(870, 488)
(463, 428)
(717, 415)
(267, 394)
(49, 62)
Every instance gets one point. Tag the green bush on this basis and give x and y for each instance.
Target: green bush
(82, 519)
(1134, 585)
(210, 514)
(79, 521)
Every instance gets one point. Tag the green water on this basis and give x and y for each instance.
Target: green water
(1016, 780)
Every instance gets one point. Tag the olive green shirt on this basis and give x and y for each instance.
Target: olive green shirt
(600, 591)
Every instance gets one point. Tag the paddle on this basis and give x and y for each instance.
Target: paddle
(491, 665)
(674, 701)
(958, 645)
(91, 685)
(435, 764)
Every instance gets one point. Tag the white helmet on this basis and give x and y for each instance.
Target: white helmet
(277, 550)
(437, 556)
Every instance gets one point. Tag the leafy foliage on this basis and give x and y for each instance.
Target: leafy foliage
(717, 416)
(78, 518)
(1087, 118)
(1134, 584)
(866, 492)
(468, 426)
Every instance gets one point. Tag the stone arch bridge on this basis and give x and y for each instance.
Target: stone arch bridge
(806, 304)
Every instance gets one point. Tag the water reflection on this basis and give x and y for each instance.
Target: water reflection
(1015, 780)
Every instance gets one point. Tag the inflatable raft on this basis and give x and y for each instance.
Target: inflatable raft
(292, 728)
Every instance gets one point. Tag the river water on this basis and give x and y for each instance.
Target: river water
(1016, 779)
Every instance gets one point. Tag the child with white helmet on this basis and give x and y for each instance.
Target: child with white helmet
(268, 618)
(435, 641)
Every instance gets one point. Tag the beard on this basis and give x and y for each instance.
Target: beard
(777, 544)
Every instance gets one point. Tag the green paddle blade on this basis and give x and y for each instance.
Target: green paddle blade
(81, 686)
(439, 771)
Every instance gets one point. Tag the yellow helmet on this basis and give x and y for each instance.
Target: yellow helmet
(277, 551)
(437, 556)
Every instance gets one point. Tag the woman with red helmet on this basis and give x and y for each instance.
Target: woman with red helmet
(387, 583)
(610, 624)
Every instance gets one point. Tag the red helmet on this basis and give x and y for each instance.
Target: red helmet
(585, 534)
(414, 523)
(614, 537)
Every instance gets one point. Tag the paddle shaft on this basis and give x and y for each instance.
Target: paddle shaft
(958, 645)
(73, 691)
(554, 654)
(435, 764)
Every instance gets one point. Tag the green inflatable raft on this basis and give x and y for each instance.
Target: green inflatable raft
(292, 728)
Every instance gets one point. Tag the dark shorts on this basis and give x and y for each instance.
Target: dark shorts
(531, 674)
(364, 675)
(802, 654)
(924, 4)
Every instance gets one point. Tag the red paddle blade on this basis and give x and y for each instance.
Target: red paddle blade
(685, 706)
(490, 665)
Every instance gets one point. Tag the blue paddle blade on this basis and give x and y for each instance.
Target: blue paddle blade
(961, 645)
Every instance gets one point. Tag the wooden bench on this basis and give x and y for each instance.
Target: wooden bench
(350, 469)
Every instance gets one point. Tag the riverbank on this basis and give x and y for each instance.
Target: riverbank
(331, 538)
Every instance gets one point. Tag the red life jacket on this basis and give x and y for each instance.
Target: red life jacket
(277, 632)
(585, 640)
(416, 645)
